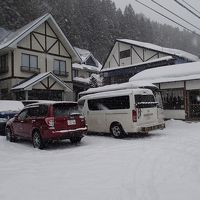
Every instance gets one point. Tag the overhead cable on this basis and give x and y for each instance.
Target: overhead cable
(191, 6)
(182, 5)
(168, 18)
(175, 14)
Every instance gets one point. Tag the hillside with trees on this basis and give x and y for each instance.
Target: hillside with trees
(95, 24)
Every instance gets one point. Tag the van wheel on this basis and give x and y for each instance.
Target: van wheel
(37, 140)
(117, 130)
(75, 140)
(9, 135)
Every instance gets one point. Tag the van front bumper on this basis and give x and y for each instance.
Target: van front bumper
(154, 127)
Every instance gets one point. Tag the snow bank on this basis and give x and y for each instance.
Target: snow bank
(164, 165)
(6, 105)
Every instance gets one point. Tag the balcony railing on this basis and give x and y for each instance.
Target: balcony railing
(30, 69)
(61, 73)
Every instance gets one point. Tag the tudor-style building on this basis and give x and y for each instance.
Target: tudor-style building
(128, 57)
(36, 62)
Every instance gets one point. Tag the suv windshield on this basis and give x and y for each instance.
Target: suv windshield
(145, 101)
(64, 109)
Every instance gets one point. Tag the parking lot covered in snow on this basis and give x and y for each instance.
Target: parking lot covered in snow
(163, 165)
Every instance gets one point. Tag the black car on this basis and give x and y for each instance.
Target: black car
(8, 109)
(4, 117)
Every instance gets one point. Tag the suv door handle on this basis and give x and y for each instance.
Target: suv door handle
(33, 121)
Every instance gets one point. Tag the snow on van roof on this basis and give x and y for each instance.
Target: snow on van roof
(9, 105)
(179, 72)
(121, 86)
(116, 93)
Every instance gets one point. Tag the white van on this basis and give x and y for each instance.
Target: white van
(121, 112)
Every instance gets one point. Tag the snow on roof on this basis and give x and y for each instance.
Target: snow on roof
(36, 79)
(166, 58)
(85, 54)
(170, 51)
(82, 80)
(86, 67)
(121, 86)
(8, 105)
(171, 73)
(14, 37)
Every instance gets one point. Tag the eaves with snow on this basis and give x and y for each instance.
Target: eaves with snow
(171, 73)
(170, 51)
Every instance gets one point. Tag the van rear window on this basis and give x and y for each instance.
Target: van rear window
(111, 103)
(145, 101)
(63, 109)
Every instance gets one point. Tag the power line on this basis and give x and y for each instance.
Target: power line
(178, 2)
(167, 18)
(175, 14)
(191, 6)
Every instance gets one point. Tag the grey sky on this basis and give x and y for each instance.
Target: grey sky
(171, 5)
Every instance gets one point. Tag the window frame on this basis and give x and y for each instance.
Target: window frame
(59, 72)
(125, 54)
(29, 68)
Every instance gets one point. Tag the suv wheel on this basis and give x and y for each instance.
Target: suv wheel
(117, 130)
(37, 140)
(75, 140)
(9, 135)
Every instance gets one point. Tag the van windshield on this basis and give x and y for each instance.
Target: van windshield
(145, 101)
(63, 109)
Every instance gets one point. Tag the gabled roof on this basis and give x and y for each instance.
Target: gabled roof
(85, 54)
(11, 40)
(154, 47)
(27, 85)
(171, 73)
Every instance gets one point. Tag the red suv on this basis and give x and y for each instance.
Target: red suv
(45, 122)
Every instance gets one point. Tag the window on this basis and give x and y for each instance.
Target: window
(59, 68)
(173, 99)
(38, 111)
(145, 101)
(125, 54)
(4, 63)
(29, 63)
(110, 103)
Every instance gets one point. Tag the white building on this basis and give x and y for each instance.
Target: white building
(180, 88)
(36, 62)
(128, 57)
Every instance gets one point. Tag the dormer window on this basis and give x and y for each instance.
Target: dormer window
(125, 54)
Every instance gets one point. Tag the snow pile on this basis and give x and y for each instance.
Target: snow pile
(179, 72)
(6, 105)
(86, 67)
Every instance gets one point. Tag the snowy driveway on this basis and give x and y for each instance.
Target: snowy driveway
(164, 165)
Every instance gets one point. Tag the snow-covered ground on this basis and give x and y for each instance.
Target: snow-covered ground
(164, 165)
